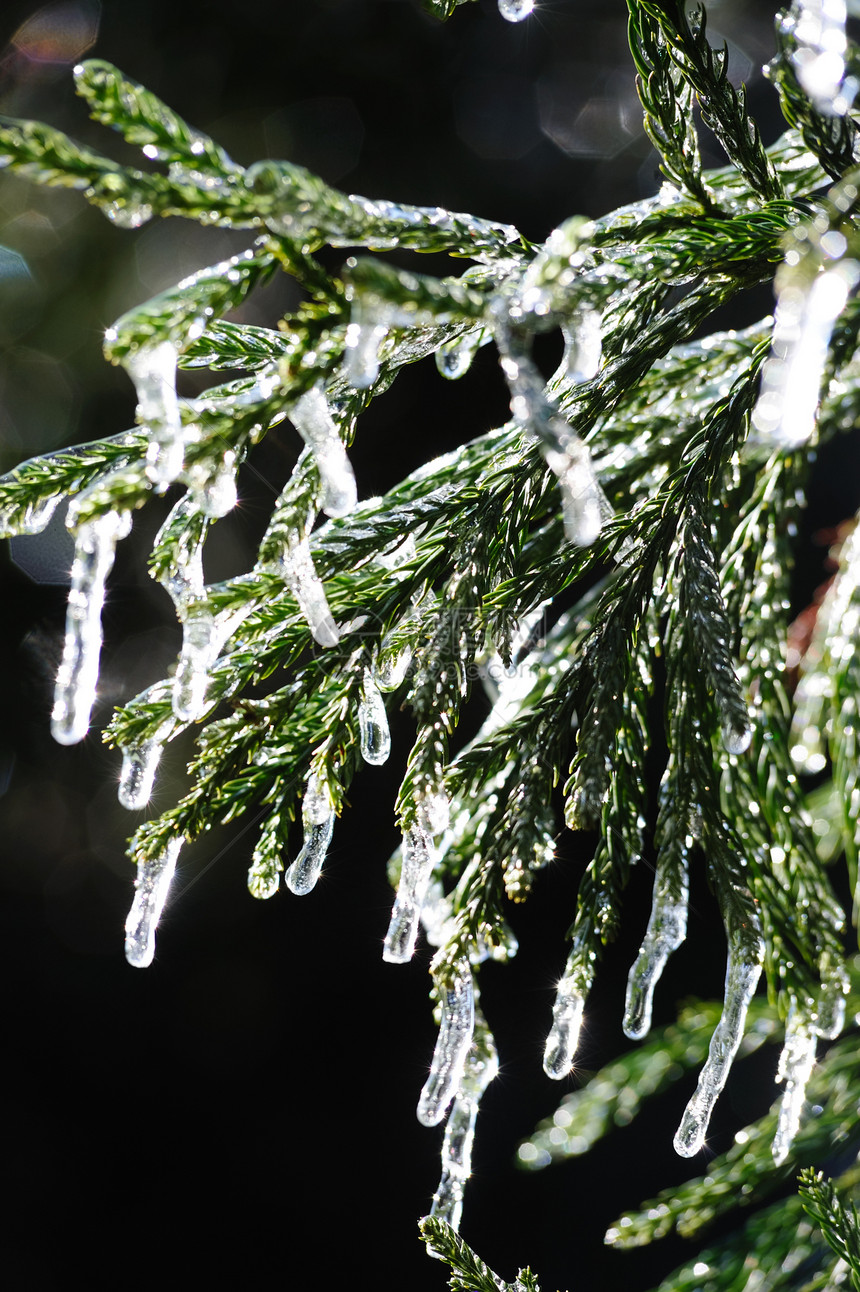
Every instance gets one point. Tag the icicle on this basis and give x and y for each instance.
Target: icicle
(563, 1036)
(77, 677)
(516, 10)
(318, 824)
(139, 765)
(667, 928)
(829, 1018)
(584, 346)
(368, 327)
(819, 59)
(418, 857)
(795, 1068)
(585, 506)
(791, 378)
(298, 570)
(32, 520)
(373, 723)
(742, 975)
(199, 652)
(454, 358)
(313, 420)
(482, 1066)
(218, 495)
(150, 893)
(390, 669)
(153, 371)
(457, 1003)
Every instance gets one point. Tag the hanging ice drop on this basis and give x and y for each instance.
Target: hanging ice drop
(312, 418)
(481, 1067)
(366, 331)
(139, 765)
(373, 723)
(303, 874)
(457, 1002)
(391, 668)
(563, 1036)
(516, 10)
(418, 857)
(218, 495)
(77, 677)
(585, 506)
(795, 1068)
(454, 358)
(667, 928)
(297, 568)
(153, 371)
(199, 651)
(584, 346)
(150, 893)
(736, 738)
(742, 975)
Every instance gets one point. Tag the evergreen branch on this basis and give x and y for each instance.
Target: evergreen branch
(832, 138)
(837, 1218)
(723, 107)
(442, 9)
(468, 1271)
(234, 345)
(142, 119)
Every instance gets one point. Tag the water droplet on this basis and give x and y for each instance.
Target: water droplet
(391, 668)
(454, 358)
(481, 1067)
(127, 215)
(218, 496)
(584, 345)
(736, 738)
(457, 1003)
(150, 893)
(373, 723)
(77, 677)
(516, 10)
(32, 519)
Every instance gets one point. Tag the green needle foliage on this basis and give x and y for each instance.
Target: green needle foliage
(613, 564)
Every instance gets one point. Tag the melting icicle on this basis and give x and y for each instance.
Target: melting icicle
(829, 1018)
(150, 894)
(297, 568)
(742, 975)
(318, 824)
(153, 371)
(454, 358)
(367, 330)
(667, 928)
(139, 765)
(585, 506)
(312, 418)
(584, 346)
(32, 520)
(457, 1002)
(373, 723)
(482, 1066)
(418, 857)
(795, 1068)
(791, 378)
(75, 691)
(563, 1036)
(218, 495)
(819, 59)
(199, 652)
(516, 10)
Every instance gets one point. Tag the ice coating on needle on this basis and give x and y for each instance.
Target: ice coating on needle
(318, 825)
(31, 520)
(154, 876)
(312, 418)
(297, 569)
(742, 975)
(667, 928)
(390, 669)
(418, 857)
(585, 506)
(77, 677)
(153, 371)
(373, 723)
(563, 1036)
(791, 378)
(481, 1067)
(457, 1005)
(583, 345)
(795, 1068)
(139, 765)
(368, 327)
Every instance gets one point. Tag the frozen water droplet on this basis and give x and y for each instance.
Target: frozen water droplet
(303, 874)
(139, 765)
(742, 975)
(516, 10)
(433, 810)
(312, 418)
(454, 359)
(298, 570)
(563, 1036)
(418, 857)
(481, 1067)
(373, 723)
(667, 928)
(127, 215)
(150, 893)
(584, 346)
(218, 495)
(367, 330)
(153, 371)
(795, 1068)
(391, 668)
(457, 1002)
(736, 738)
(77, 677)
(791, 377)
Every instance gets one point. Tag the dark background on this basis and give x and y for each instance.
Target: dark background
(243, 1110)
